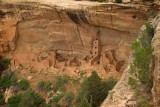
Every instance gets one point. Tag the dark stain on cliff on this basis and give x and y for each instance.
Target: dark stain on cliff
(8, 6)
(83, 18)
(73, 17)
(2, 14)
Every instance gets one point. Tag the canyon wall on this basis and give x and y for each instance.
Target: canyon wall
(41, 35)
(156, 61)
(157, 2)
(122, 95)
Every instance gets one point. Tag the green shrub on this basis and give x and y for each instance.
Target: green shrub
(141, 52)
(76, 81)
(27, 99)
(23, 84)
(149, 30)
(31, 99)
(95, 90)
(44, 85)
(40, 85)
(5, 82)
(141, 99)
(141, 60)
(8, 80)
(4, 63)
(110, 83)
(48, 105)
(146, 35)
(57, 98)
(47, 86)
(118, 1)
(13, 79)
(14, 101)
(61, 81)
(52, 105)
(152, 13)
(132, 68)
(69, 97)
(132, 82)
(82, 101)
(1, 99)
(143, 103)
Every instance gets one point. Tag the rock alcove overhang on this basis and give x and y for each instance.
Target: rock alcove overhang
(42, 36)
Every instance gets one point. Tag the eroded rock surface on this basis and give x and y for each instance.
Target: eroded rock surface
(156, 62)
(40, 35)
(157, 2)
(121, 94)
(69, 37)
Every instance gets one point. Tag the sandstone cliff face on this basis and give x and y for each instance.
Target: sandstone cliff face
(40, 35)
(49, 34)
(157, 2)
(121, 93)
(156, 61)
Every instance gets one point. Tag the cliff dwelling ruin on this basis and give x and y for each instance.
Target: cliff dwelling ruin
(43, 38)
(47, 41)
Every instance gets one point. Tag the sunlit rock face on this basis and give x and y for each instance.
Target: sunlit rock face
(157, 2)
(74, 37)
(41, 36)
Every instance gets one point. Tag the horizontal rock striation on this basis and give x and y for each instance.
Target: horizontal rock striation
(44, 34)
(42, 18)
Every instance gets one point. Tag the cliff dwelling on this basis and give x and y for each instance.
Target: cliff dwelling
(43, 38)
(80, 50)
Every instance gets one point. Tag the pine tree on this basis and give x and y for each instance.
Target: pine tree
(94, 90)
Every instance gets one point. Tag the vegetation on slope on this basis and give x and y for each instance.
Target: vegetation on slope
(95, 90)
(118, 1)
(141, 77)
(28, 98)
(90, 91)
(141, 52)
(4, 63)
(23, 84)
